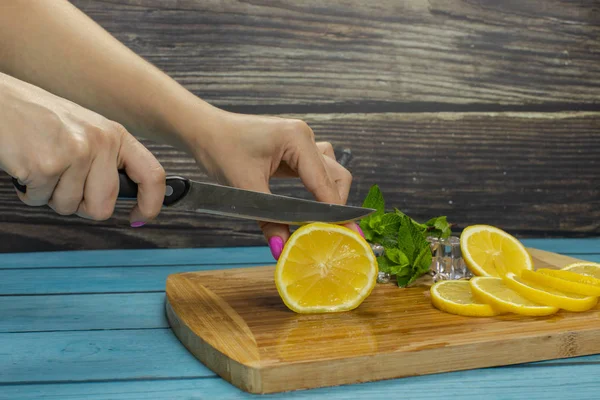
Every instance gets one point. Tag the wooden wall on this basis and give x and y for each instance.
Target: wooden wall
(486, 111)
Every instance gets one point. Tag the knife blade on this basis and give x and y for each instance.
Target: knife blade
(209, 198)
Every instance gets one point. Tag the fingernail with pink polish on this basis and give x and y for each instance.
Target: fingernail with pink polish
(360, 231)
(276, 246)
(137, 224)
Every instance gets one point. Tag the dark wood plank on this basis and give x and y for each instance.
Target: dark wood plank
(356, 56)
(533, 174)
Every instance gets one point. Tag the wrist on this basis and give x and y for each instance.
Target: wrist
(189, 123)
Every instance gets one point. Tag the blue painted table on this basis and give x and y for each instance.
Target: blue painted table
(91, 325)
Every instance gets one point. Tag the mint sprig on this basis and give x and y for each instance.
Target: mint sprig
(407, 253)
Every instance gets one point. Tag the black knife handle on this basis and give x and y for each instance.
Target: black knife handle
(177, 188)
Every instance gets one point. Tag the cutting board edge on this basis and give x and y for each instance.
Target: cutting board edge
(316, 374)
(230, 369)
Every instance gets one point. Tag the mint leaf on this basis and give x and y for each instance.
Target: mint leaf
(389, 242)
(439, 227)
(397, 256)
(386, 265)
(374, 200)
(407, 251)
(390, 223)
(381, 227)
(421, 265)
(410, 239)
(370, 227)
(370, 224)
(403, 280)
(412, 243)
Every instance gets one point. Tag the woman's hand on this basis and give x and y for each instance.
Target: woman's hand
(245, 151)
(68, 156)
(85, 64)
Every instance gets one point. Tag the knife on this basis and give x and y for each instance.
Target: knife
(209, 198)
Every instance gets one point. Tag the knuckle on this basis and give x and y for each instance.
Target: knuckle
(299, 127)
(157, 175)
(81, 150)
(107, 135)
(347, 175)
(327, 146)
(49, 167)
(118, 129)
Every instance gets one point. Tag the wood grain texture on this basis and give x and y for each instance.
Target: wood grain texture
(186, 257)
(580, 248)
(531, 382)
(82, 312)
(393, 333)
(94, 355)
(533, 174)
(349, 56)
(93, 280)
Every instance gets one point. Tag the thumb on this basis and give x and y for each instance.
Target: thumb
(276, 235)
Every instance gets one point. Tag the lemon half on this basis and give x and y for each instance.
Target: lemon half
(325, 268)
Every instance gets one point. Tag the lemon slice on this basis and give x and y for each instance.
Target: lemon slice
(584, 268)
(548, 296)
(325, 268)
(494, 292)
(455, 297)
(566, 281)
(489, 251)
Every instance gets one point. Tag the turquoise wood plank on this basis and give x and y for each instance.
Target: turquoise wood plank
(555, 383)
(95, 355)
(234, 255)
(99, 258)
(116, 355)
(107, 280)
(94, 280)
(82, 312)
(566, 246)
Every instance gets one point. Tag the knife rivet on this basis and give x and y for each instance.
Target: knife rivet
(169, 191)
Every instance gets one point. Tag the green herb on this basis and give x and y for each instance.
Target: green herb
(407, 253)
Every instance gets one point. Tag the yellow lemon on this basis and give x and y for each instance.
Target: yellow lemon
(489, 251)
(455, 297)
(566, 281)
(325, 268)
(548, 296)
(493, 291)
(584, 268)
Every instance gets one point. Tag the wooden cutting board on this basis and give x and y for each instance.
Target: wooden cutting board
(236, 324)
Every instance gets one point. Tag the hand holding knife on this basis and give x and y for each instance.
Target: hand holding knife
(209, 198)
